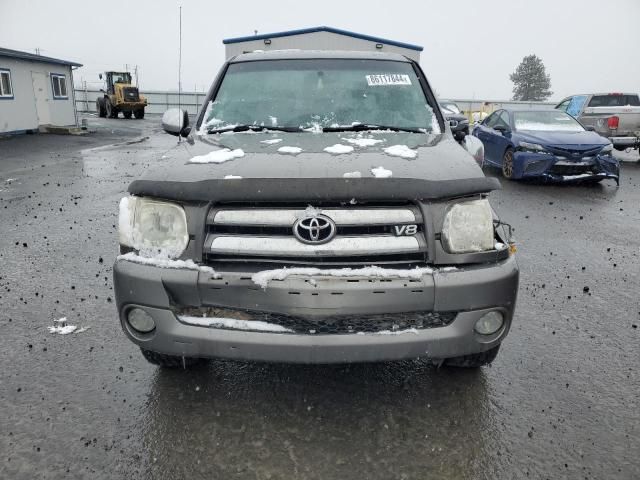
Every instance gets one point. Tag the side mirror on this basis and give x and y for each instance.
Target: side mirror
(176, 122)
(501, 128)
(100, 76)
(475, 147)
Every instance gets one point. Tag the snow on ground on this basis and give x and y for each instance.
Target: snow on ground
(271, 141)
(338, 149)
(60, 327)
(162, 262)
(232, 177)
(352, 174)
(400, 151)
(218, 156)
(234, 324)
(381, 172)
(363, 142)
(290, 150)
(264, 277)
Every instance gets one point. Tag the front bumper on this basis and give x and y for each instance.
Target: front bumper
(561, 169)
(470, 291)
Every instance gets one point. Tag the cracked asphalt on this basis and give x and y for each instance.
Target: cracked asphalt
(560, 401)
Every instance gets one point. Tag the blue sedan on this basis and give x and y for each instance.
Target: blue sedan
(546, 144)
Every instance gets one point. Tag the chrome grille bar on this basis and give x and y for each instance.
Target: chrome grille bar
(290, 247)
(287, 217)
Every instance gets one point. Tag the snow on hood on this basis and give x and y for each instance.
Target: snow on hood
(218, 156)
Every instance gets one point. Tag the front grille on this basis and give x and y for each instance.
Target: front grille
(339, 325)
(572, 153)
(567, 169)
(363, 236)
(130, 94)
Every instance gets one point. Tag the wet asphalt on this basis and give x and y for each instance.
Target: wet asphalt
(560, 401)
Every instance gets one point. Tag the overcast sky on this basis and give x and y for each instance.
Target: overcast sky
(470, 46)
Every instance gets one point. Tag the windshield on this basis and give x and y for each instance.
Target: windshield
(121, 78)
(551, 120)
(452, 107)
(321, 93)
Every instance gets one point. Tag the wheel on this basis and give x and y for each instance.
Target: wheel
(169, 361)
(126, 114)
(475, 360)
(111, 111)
(507, 164)
(139, 114)
(100, 107)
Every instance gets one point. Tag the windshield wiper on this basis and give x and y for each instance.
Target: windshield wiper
(360, 127)
(252, 128)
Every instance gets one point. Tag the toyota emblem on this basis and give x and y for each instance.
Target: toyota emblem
(314, 230)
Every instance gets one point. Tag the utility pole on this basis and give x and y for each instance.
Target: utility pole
(180, 72)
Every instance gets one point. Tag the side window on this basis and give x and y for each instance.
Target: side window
(59, 86)
(491, 120)
(633, 100)
(504, 120)
(564, 104)
(575, 106)
(6, 88)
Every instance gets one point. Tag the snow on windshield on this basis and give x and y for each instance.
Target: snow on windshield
(552, 120)
(320, 93)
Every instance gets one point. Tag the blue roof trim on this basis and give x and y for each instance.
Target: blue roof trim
(302, 31)
(6, 52)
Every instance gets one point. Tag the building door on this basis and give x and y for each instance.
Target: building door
(41, 96)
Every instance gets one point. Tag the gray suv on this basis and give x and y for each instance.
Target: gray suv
(319, 211)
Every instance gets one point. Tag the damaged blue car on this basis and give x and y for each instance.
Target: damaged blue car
(545, 144)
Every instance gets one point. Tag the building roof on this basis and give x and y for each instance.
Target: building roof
(322, 29)
(314, 54)
(5, 52)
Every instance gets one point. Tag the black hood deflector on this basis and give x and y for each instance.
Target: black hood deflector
(310, 189)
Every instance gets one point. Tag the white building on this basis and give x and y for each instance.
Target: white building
(35, 92)
(319, 38)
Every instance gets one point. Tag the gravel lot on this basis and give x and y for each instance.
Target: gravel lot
(561, 400)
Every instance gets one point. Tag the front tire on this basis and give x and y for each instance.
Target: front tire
(169, 361)
(111, 111)
(475, 360)
(139, 114)
(100, 108)
(507, 164)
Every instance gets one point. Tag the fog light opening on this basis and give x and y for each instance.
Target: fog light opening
(489, 323)
(140, 320)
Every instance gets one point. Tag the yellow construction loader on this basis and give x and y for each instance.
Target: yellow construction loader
(120, 96)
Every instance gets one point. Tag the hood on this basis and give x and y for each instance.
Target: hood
(575, 140)
(441, 169)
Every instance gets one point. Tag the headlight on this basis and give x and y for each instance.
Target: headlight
(532, 147)
(468, 227)
(154, 228)
(607, 149)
